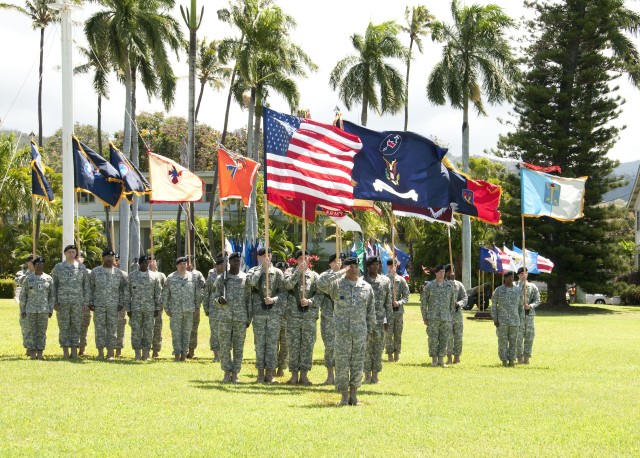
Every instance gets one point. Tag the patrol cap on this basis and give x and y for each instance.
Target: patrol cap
(389, 262)
(262, 251)
(447, 269)
(235, 255)
(38, 260)
(522, 269)
(508, 273)
(108, 253)
(70, 247)
(351, 261)
(333, 257)
(372, 259)
(144, 258)
(219, 260)
(299, 253)
(30, 257)
(181, 259)
(439, 267)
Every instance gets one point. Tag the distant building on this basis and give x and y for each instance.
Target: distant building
(634, 204)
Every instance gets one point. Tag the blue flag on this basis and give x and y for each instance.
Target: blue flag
(132, 179)
(39, 184)
(489, 260)
(384, 257)
(399, 167)
(532, 260)
(95, 175)
(403, 259)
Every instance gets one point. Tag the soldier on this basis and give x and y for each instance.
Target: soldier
(86, 315)
(381, 286)
(396, 323)
(232, 296)
(209, 308)
(527, 329)
(508, 315)
(109, 294)
(283, 350)
(327, 331)
(36, 307)
(454, 346)
(20, 277)
(266, 313)
(181, 296)
(144, 304)
(301, 319)
(71, 286)
(193, 339)
(354, 315)
(156, 344)
(122, 314)
(437, 309)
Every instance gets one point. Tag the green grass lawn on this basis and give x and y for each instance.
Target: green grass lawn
(578, 397)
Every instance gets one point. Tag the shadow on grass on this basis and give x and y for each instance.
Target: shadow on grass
(576, 310)
(253, 387)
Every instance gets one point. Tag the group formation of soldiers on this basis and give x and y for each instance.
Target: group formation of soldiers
(360, 316)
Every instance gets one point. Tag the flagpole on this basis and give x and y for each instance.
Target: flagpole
(33, 219)
(224, 248)
(113, 234)
(450, 249)
(393, 254)
(524, 264)
(77, 219)
(304, 248)
(187, 232)
(151, 227)
(337, 242)
(266, 242)
(478, 295)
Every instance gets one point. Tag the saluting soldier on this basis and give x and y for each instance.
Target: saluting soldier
(20, 277)
(508, 315)
(354, 316)
(144, 304)
(393, 337)
(156, 343)
(454, 346)
(209, 308)
(524, 345)
(36, 307)
(72, 292)
(437, 309)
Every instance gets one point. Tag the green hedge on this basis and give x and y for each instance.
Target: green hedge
(7, 289)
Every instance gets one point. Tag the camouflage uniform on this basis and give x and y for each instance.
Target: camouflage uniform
(527, 329)
(375, 340)
(354, 315)
(437, 309)
(301, 321)
(283, 349)
(266, 321)
(211, 310)
(144, 300)
(20, 278)
(508, 312)
(108, 293)
(234, 318)
(180, 297)
(193, 339)
(86, 321)
(36, 300)
(156, 344)
(327, 331)
(396, 322)
(71, 286)
(454, 347)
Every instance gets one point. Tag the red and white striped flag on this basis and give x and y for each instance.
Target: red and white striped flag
(545, 265)
(308, 160)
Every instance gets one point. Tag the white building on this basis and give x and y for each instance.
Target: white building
(634, 204)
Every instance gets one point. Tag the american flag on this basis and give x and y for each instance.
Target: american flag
(309, 161)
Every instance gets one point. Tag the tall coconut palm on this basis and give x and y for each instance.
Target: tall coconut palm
(477, 63)
(418, 25)
(358, 77)
(139, 32)
(209, 69)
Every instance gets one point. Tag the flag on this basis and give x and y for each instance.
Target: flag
(476, 198)
(399, 167)
(531, 261)
(539, 168)
(506, 262)
(132, 179)
(435, 215)
(293, 207)
(343, 220)
(228, 248)
(402, 258)
(171, 182)
(548, 195)
(39, 184)
(236, 175)
(360, 204)
(545, 266)
(93, 174)
(489, 260)
(384, 257)
(359, 252)
(309, 161)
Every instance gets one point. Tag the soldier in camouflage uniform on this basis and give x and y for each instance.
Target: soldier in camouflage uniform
(71, 286)
(524, 345)
(122, 314)
(143, 305)
(20, 277)
(36, 307)
(354, 315)
(109, 294)
(193, 339)
(266, 313)
(156, 344)
(301, 319)
(393, 338)
(507, 313)
(436, 304)
(283, 350)
(454, 346)
(210, 309)
(381, 286)
(181, 296)
(232, 297)
(86, 315)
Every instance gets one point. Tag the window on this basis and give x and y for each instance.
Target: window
(638, 221)
(208, 193)
(85, 198)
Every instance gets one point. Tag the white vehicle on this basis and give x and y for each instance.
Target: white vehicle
(602, 299)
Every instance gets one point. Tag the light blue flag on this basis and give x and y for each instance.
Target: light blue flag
(384, 256)
(543, 194)
(532, 260)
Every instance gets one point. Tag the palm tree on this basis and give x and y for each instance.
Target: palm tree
(136, 35)
(209, 68)
(359, 76)
(418, 24)
(41, 16)
(477, 59)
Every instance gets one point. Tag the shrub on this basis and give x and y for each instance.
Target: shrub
(7, 289)
(631, 296)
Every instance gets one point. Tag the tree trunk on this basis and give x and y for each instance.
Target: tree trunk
(40, 88)
(191, 125)
(365, 108)
(107, 232)
(100, 125)
(466, 221)
(251, 225)
(257, 117)
(178, 233)
(212, 207)
(126, 150)
(406, 88)
(556, 292)
(134, 229)
(226, 113)
(199, 100)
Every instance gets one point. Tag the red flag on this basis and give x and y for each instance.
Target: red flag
(236, 175)
(293, 207)
(435, 215)
(539, 168)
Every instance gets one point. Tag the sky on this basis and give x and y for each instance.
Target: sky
(323, 32)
